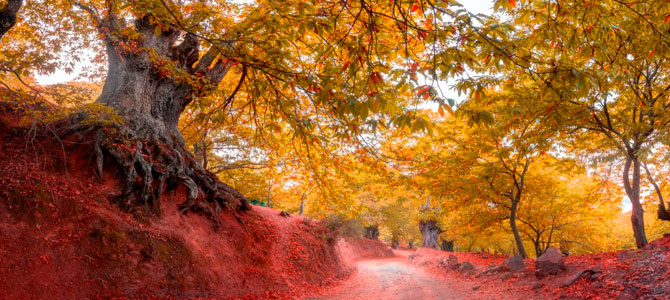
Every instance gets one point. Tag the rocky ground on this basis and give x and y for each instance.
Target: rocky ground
(628, 274)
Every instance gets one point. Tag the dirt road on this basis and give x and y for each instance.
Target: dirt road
(394, 278)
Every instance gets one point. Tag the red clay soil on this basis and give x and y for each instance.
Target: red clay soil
(60, 238)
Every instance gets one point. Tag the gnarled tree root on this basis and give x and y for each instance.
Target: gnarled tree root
(151, 164)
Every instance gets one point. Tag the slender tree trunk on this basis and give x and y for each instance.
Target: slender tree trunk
(632, 188)
(515, 230)
(8, 15)
(430, 232)
(269, 193)
(551, 235)
(662, 212)
(538, 247)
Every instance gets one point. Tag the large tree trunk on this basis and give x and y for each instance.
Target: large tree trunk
(430, 232)
(140, 84)
(8, 15)
(150, 81)
(372, 232)
(515, 230)
(632, 188)
(447, 246)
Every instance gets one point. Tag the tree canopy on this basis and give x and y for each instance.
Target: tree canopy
(350, 108)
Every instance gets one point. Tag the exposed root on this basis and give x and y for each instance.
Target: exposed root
(151, 162)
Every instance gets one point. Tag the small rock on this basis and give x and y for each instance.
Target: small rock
(537, 285)
(476, 287)
(284, 214)
(506, 276)
(550, 263)
(514, 264)
(595, 275)
(484, 257)
(666, 235)
(466, 267)
(452, 260)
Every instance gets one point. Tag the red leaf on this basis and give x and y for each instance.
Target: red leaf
(666, 19)
(512, 3)
(550, 109)
(423, 90)
(414, 8)
(414, 67)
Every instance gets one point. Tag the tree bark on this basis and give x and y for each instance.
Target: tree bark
(430, 232)
(632, 188)
(662, 212)
(447, 246)
(372, 232)
(140, 86)
(150, 80)
(515, 230)
(8, 15)
(394, 240)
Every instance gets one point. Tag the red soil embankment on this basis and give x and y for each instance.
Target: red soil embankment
(60, 238)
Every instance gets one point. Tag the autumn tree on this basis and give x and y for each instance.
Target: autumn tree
(324, 69)
(602, 67)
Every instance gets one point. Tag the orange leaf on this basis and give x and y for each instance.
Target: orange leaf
(414, 8)
(666, 19)
(423, 90)
(512, 3)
